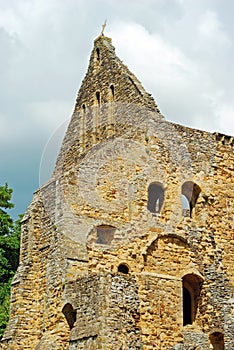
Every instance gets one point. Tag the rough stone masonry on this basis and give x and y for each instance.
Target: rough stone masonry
(130, 245)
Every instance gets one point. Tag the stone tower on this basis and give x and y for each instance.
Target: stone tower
(130, 244)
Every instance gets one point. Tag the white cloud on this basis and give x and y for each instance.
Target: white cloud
(47, 115)
(150, 52)
(211, 29)
(180, 85)
(225, 114)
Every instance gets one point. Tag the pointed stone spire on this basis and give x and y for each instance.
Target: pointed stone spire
(108, 93)
(106, 70)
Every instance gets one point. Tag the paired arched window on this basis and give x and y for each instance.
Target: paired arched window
(155, 197)
(190, 193)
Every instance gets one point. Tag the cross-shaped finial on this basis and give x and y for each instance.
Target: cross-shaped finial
(103, 28)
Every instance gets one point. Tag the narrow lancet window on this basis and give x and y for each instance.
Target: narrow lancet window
(187, 307)
(191, 295)
(98, 54)
(112, 91)
(83, 122)
(98, 97)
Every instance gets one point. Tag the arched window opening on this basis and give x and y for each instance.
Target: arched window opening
(190, 193)
(98, 54)
(84, 108)
(187, 307)
(185, 206)
(98, 97)
(123, 268)
(155, 197)
(70, 314)
(112, 91)
(191, 295)
(217, 340)
(105, 234)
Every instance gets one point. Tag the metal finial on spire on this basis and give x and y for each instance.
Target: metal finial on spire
(103, 28)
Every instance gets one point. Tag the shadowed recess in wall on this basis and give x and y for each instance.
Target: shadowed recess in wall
(155, 197)
(190, 192)
(191, 297)
(217, 341)
(70, 314)
(105, 234)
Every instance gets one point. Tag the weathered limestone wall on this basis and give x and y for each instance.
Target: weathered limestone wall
(37, 285)
(107, 308)
(98, 268)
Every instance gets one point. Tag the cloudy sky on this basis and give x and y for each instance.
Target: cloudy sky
(181, 50)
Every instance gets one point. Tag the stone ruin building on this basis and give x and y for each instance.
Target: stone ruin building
(130, 245)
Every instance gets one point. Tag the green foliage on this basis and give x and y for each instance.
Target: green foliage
(6, 221)
(4, 305)
(9, 253)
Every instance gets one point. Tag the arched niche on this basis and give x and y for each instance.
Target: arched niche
(167, 254)
(70, 314)
(105, 234)
(123, 268)
(190, 194)
(155, 197)
(217, 340)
